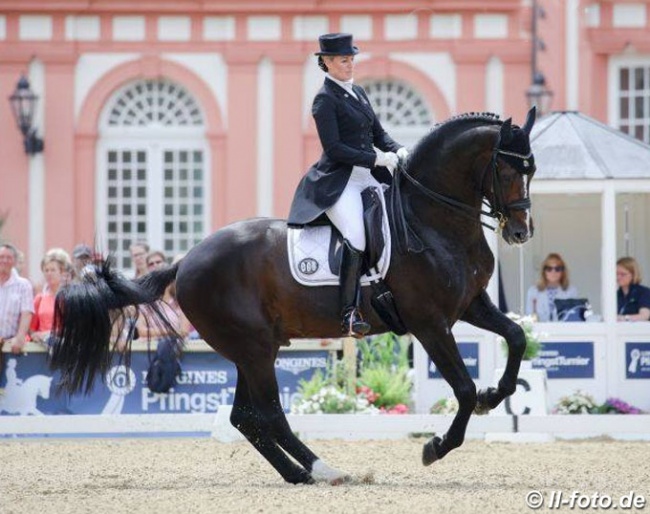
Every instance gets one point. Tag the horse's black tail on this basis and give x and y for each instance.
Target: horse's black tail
(99, 310)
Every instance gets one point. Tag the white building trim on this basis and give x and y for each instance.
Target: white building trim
(439, 67)
(129, 28)
(174, 28)
(82, 28)
(358, 24)
(629, 15)
(399, 27)
(35, 27)
(219, 28)
(90, 68)
(494, 101)
(212, 69)
(37, 180)
(572, 66)
(263, 28)
(308, 28)
(490, 26)
(445, 26)
(265, 138)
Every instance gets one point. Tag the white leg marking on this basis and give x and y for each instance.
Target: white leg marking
(321, 472)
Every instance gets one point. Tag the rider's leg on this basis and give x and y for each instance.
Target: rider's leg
(347, 216)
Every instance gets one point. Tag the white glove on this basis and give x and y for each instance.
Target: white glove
(402, 153)
(387, 159)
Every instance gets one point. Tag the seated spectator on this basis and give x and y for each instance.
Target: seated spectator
(553, 284)
(633, 299)
(56, 267)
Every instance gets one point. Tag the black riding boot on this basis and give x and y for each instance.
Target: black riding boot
(350, 291)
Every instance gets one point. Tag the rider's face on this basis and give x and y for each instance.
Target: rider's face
(341, 67)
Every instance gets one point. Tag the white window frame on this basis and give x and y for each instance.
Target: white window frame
(154, 139)
(616, 63)
(406, 135)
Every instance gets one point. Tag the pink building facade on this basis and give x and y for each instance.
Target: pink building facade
(167, 120)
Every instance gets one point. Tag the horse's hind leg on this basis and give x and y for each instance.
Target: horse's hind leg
(247, 418)
(263, 390)
(441, 347)
(484, 314)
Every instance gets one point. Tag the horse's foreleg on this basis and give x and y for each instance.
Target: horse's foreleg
(441, 347)
(247, 418)
(484, 314)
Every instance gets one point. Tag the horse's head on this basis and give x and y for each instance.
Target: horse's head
(513, 167)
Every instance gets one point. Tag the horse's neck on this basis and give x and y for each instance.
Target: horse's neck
(456, 171)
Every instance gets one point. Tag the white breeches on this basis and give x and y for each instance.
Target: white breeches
(347, 213)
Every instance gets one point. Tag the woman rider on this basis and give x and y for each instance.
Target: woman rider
(349, 131)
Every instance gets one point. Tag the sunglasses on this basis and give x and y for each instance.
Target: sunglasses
(559, 269)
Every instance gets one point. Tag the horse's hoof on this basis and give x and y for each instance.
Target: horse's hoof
(429, 453)
(302, 477)
(323, 473)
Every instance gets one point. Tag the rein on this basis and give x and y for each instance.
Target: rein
(498, 210)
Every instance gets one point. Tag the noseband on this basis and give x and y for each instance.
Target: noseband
(499, 210)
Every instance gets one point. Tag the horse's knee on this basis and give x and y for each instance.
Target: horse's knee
(516, 340)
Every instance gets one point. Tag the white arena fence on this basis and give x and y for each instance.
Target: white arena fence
(199, 405)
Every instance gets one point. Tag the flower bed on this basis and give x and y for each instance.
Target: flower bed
(383, 383)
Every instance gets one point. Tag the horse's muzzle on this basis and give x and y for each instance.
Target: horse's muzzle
(517, 231)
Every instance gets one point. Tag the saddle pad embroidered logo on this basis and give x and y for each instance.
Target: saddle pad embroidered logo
(308, 250)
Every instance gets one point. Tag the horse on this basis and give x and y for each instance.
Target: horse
(236, 288)
(22, 397)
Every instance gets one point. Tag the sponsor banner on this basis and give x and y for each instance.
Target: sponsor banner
(637, 360)
(469, 353)
(566, 360)
(207, 381)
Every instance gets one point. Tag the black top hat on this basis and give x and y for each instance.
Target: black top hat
(336, 44)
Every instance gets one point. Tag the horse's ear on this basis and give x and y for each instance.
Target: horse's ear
(506, 131)
(530, 120)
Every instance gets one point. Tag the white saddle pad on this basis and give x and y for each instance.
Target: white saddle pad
(308, 250)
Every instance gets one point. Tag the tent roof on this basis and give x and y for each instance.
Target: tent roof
(570, 145)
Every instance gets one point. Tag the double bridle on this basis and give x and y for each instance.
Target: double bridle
(499, 210)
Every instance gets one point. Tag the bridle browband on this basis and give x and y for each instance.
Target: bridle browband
(499, 210)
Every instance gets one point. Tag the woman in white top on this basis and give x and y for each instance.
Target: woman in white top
(552, 285)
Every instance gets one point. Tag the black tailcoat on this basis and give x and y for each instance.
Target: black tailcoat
(348, 129)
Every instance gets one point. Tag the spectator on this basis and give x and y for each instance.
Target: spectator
(81, 256)
(553, 284)
(16, 302)
(633, 299)
(56, 266)
(157, 260)
(139, 251)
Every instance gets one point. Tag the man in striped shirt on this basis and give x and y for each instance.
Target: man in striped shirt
(16, 301)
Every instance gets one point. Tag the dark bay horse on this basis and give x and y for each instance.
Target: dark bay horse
(236, 288)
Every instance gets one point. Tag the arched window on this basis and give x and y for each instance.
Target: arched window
(403, 112)
(153, 179)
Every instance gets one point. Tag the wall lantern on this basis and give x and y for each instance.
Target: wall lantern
(23, 105)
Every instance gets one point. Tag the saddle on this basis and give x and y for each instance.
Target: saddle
(315, 256)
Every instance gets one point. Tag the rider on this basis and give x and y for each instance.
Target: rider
(349, 131)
